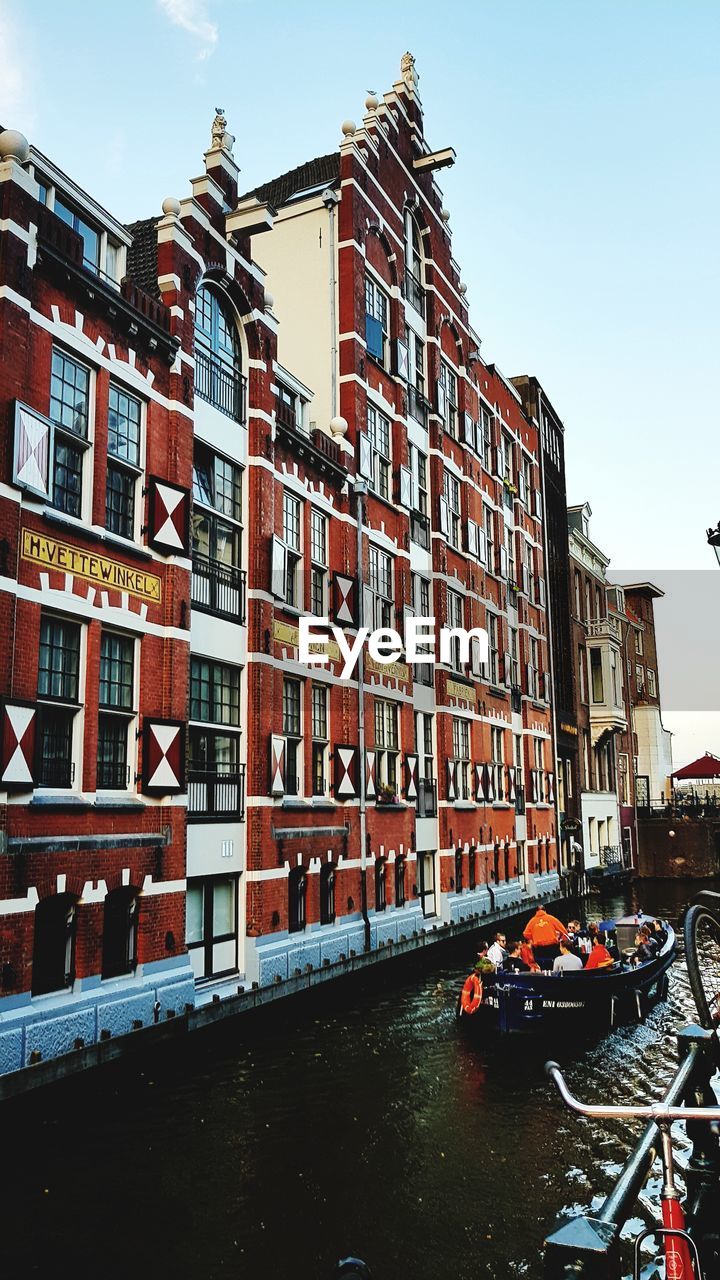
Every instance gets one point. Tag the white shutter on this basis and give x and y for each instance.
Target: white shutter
(277, 765)
(402, 359)
(368, 619)
(499, 461)
(522, 489)
(472, 538)
(476, 664)
(503, 562)
(441, 400)
(541, 592)
(481, 546)
(538, 504)
(278, 571)
(444, 517)
(469, 431)
(406, 487)
(33, 453)
(366, 456)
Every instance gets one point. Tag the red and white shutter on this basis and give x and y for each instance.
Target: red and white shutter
(551, 788)
(370, 766)
(480, 783)
(344, 600)
(346, 772)
(411, 775)
(490, 782)
(18, 745)
(33, 451)
(163, 757)
(451, 780)
(511, 784)
(277, 765)
(169, 528)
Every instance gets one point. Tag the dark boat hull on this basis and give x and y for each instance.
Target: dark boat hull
(532, 1002)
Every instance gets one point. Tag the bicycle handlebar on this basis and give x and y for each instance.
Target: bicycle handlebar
(660, 1112)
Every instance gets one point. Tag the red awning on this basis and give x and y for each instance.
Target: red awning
(706, 767)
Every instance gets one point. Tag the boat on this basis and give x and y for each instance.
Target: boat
(596, 999)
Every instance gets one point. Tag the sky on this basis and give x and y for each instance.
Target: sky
(583, 209)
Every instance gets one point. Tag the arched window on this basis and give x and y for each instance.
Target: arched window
(218, 357)
(400, 882)
(327, 893)
(120, 932)
(414, 285)
(458, 871)
(297, 889)
(380, 897)
(54, 944)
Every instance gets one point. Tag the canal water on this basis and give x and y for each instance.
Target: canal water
(355, 1120)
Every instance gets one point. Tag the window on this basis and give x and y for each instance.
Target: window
(377, 319)
(485, 421)
(418, 404)
(117, 710)
(290, 408)
(489, 526)
(53, 966)
(292, 729)
(623, 779)
(123, 468)
(292, 538)
(639, 642)
(215, 778)
(455, 620)
(596, 677)
(327, 893)
(400, 881)
(89, 235)
(493, 648)
(218, 362)
(651, 683)
(526, 484)
(318, 562)
(69, 410)
(448, 399)
(640, 679)
(211, 925)
(451, 493)
(297, 890)
(58, 694)
(461, 755)
(581, 673)
(217, 581)
(413, 264)
(427, 787)
(578, 594)
(381, 455)
(418, 470)
(497, 756)
(214, 692)
(381, 588)
(319, 709)
(387, 746)
(380, 884)
(119, 949)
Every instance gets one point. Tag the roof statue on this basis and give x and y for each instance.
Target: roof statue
(408, 72)
(220, 140)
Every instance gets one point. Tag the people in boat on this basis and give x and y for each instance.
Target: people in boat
(567, 961)
(527, 954)
(483, 964)
(659, 933)
(580, 937)
(646, 946)
(542, 932)
(599, 957)
(515, 962)
(498, 952)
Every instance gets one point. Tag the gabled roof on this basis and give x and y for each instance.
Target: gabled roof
(142, 261)
(323, 171)
(707, 766)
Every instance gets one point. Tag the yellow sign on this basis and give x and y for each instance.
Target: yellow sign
(284, 633)
(568, 728)
(463, 692)
(85, 564)
(398, 670)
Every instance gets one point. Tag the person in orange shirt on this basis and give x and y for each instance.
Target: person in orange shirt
(543, 932)
(599, 957)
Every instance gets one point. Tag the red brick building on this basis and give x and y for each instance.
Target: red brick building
(96, 446)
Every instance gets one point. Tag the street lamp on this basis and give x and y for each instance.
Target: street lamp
(713, 537)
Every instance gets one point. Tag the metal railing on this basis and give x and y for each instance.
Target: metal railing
(426, 804)
(112, 775)
(55, 772)
(213, 793)
(218, 588)
(414, 292)
(220, 383)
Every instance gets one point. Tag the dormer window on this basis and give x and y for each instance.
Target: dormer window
(102, 254)
(290, 408)
(89, 235)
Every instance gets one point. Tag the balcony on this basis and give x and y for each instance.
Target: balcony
(216, 794)
(218, 588)
(426, 803)
(414, 292)
(604, 655)
(417, 406)
(219, 383)
(316, 448)
(605, 629)
(419, 529)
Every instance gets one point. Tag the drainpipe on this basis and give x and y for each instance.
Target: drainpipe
(360, 489)
(330, 199)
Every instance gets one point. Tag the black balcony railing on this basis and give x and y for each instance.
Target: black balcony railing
(55, 772)
(417, 406)
(218, 588)
(216, 794)
(113, 775)
(414, 292)
(426, 806)
(220, 383)
(419, 529)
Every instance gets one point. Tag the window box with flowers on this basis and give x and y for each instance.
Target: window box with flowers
(388, 797)
(510, 487)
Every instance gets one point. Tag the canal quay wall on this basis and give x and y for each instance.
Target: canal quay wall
(159, 1022)
(678, 846)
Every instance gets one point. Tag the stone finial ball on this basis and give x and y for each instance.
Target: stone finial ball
(171, 206)
(14, 146)
(371, 102)
(462, 288)
(445, 215)
(268, 300)
(338, 426)
(349, 128)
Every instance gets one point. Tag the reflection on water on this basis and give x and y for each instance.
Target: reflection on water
(358, 1120)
